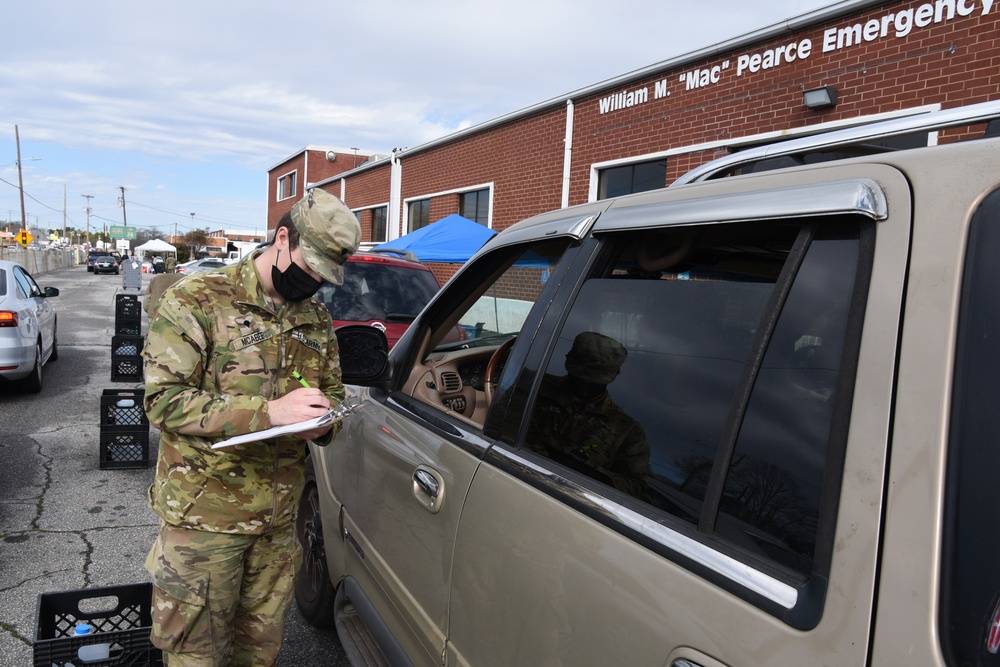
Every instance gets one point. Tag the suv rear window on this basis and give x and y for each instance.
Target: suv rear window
(970, 581)
(379, 291)
(739, 365)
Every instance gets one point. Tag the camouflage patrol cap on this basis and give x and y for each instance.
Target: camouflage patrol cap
(595, 357)
(328, 233)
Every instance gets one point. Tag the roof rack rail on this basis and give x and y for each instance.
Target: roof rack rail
(932, 120)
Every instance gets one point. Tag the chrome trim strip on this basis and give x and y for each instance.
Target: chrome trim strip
(934, 120)
(739, 573)
(858, 196)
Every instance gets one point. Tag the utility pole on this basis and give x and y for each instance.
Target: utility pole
(88, 197)
(63, 240)
(124, 219)
(20, 181)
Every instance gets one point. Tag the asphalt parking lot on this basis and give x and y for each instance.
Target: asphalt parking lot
(66, 524)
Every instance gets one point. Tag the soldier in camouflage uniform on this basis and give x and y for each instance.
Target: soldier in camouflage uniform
(576, 423)
(219, 359)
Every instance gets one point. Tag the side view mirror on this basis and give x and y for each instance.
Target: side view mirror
(363, 353)
(50, 291)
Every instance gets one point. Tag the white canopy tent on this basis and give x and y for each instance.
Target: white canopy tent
(155, 246)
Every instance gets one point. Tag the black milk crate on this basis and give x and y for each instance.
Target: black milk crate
(123, 407)
(124, 447)
(119, 616)
(124, 430)
(128, 326)
(126, 358)
(127, 307)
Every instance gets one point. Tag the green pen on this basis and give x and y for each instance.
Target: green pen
(302, 381)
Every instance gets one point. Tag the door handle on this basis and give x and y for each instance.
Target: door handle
(428, 488)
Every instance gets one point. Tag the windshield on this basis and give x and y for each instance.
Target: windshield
(376, 291)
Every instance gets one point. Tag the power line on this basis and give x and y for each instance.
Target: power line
(186, 216)
(218, 221)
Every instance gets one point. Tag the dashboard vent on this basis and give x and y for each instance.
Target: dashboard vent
(451, 382)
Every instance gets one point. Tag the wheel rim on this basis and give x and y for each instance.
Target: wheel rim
(310, 529)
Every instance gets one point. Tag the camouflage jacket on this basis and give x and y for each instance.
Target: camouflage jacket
(216, 352)
(597, 437)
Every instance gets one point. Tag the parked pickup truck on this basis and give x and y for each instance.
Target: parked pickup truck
(743, 420)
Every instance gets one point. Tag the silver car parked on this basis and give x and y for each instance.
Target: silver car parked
(27, 327)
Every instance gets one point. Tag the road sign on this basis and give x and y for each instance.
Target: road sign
(121, 232)
(23, 237)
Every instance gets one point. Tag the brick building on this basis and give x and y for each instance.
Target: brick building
(311, 165)
(644, 129)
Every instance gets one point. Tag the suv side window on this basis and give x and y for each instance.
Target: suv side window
(726, 355)
(970, 580)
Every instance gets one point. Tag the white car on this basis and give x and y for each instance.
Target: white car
(200, 265)
(27, 327)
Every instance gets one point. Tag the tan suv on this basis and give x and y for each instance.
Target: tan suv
(742, 421)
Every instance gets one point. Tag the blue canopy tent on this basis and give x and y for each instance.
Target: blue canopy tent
(450, 240)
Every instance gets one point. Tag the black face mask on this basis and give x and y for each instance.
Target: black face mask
(294, 284)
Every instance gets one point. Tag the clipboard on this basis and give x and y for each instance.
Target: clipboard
(349, 406)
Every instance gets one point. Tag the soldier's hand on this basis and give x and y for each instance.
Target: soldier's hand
(298, 405)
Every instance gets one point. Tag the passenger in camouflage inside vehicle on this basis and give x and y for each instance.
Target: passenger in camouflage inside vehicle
(577, 424)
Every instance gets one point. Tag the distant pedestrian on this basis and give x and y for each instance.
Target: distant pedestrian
(171, 263)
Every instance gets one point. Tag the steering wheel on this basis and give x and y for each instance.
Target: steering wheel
(493, 367)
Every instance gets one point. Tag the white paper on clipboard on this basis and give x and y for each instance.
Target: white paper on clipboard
(349, 406)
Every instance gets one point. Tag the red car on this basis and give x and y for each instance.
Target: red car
(380, 290)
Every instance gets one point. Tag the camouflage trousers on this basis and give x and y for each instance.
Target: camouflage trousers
(221, 599)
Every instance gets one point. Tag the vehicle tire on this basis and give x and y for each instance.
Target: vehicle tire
(33, 383)
(55, 341)
(314, 592)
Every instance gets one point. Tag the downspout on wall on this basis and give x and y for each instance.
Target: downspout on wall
(567, 153)
(395, 190)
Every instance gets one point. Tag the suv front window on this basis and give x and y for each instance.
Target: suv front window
(500, 311)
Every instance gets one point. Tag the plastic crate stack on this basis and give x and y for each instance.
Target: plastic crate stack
(123, 422)
(126, 344)
(124, 430)
(120, 620)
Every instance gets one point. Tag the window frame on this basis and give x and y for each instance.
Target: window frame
(282, 189)
(795, 599)
(485, 207)
(378, 211)
(603, 173)
(423, 210)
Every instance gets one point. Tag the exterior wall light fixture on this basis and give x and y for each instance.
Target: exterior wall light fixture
(820, 98)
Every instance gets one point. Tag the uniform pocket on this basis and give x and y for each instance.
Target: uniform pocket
(181, 618)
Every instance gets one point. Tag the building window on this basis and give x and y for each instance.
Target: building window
(380, 216)
(629, 178)
(286, 185)
(419, 214)
(475, 206)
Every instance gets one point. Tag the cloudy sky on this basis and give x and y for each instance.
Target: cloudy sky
(188, 104)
